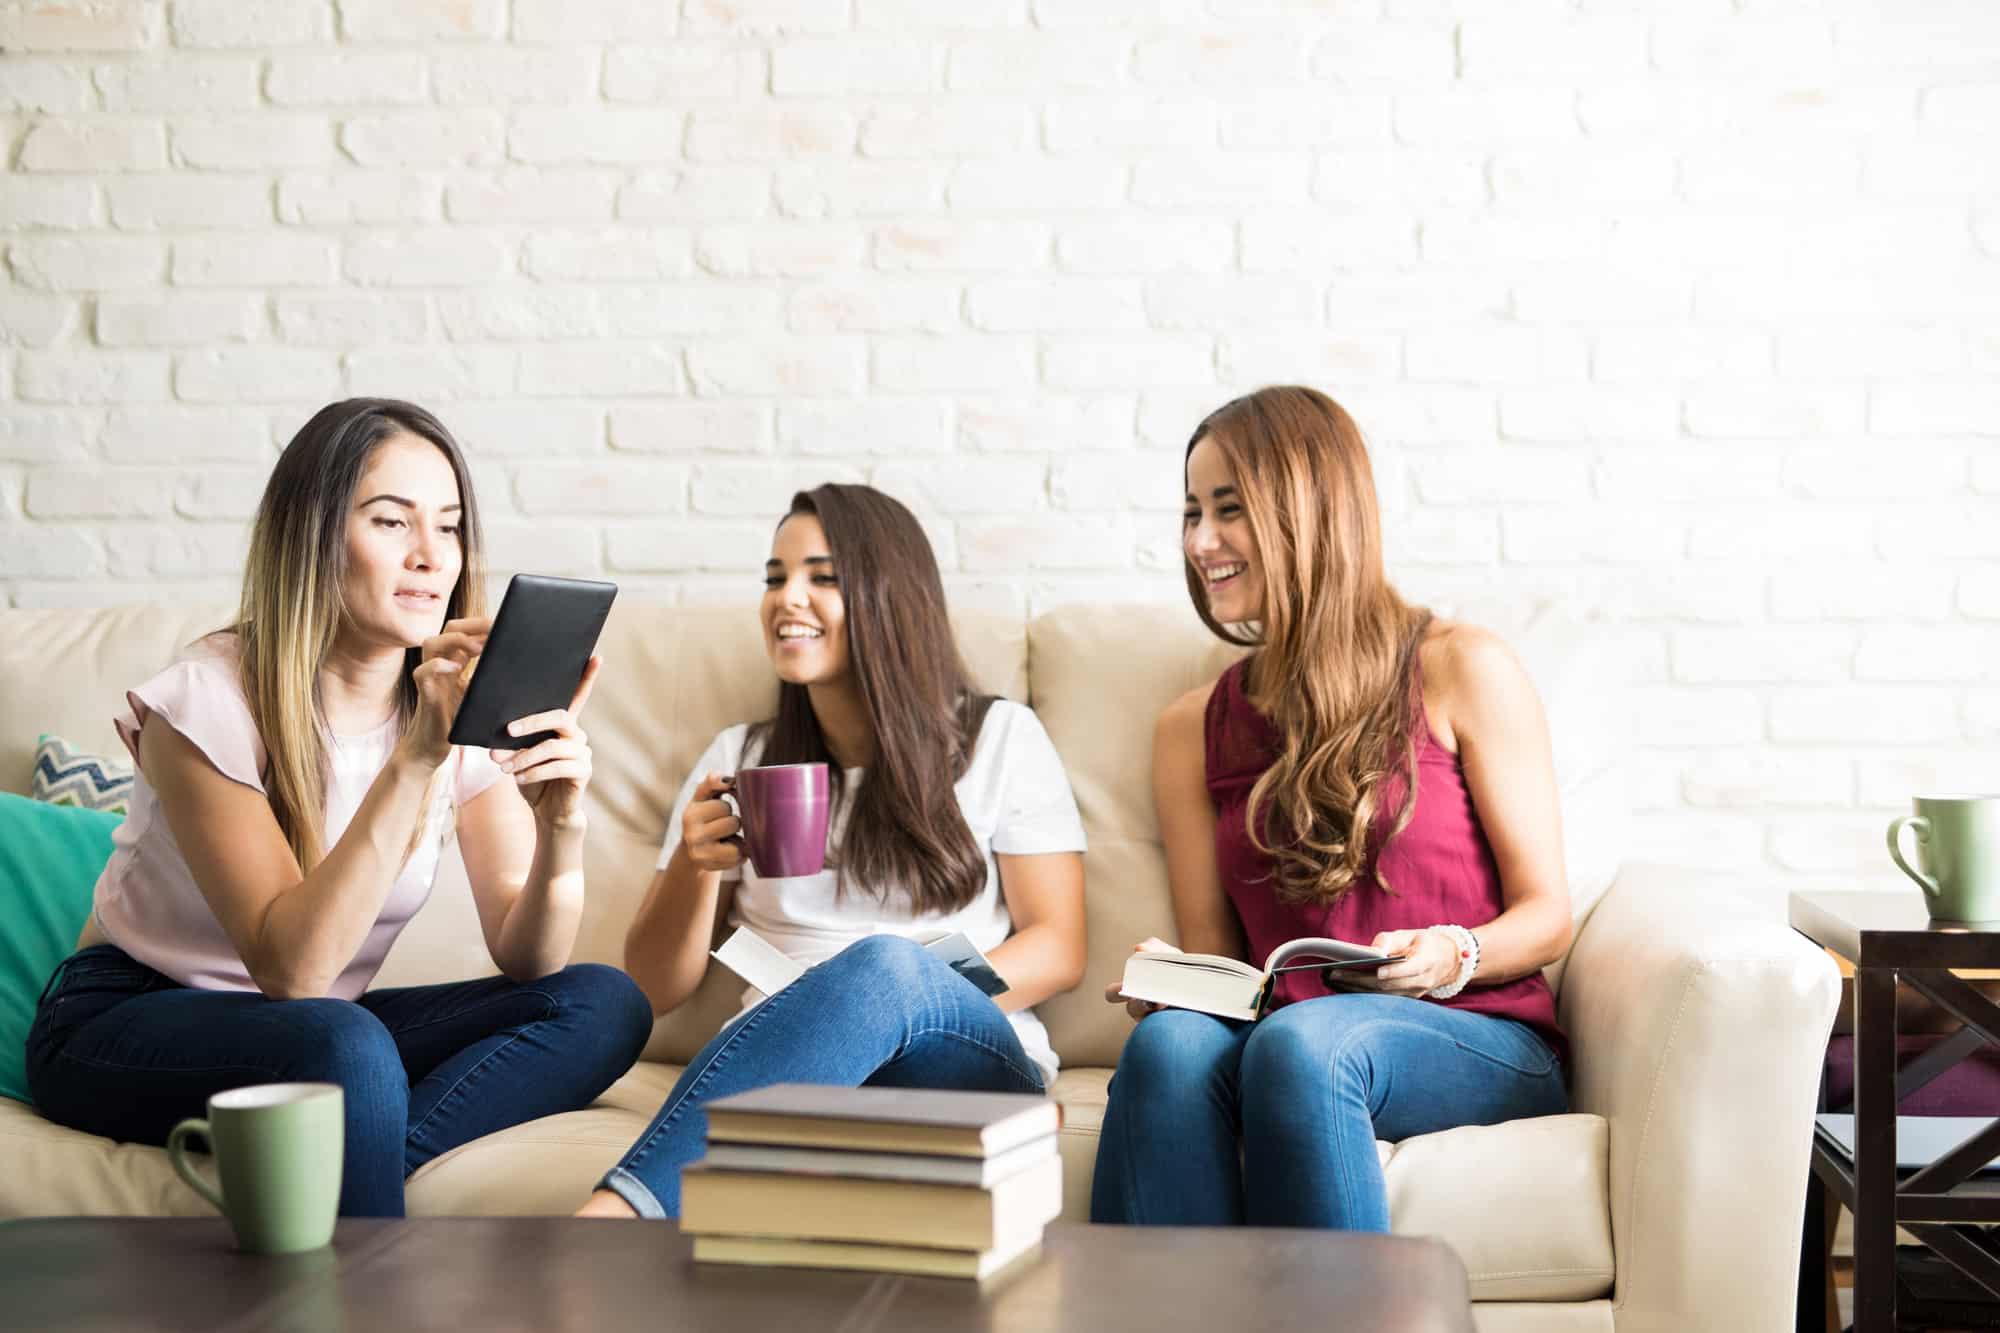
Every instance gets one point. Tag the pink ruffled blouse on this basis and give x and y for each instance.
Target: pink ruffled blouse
(147, 902)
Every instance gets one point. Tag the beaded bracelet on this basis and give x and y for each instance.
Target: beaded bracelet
(1468, 961)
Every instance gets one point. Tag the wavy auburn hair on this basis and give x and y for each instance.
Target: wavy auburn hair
(292, 611)
(905, 829)
(1335, 644)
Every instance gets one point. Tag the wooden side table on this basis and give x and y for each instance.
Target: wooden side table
(1889, 939)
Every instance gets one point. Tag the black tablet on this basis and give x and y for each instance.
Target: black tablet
(535, 655)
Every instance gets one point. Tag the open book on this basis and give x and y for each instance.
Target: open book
(1230, 988)
(770, 969)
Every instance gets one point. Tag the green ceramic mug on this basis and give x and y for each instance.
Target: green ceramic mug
(1958, 855)
(278, 1149)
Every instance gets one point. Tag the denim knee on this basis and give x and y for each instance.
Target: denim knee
(338, 1041)
(1299, 1046)
(616, 1011)
(1174, 1050)
(887, 961)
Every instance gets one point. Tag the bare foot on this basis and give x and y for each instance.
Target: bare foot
(604, 1203)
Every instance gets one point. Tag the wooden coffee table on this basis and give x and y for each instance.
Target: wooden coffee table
(561, 1273)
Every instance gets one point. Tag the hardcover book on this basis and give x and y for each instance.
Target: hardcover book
(896, 1120)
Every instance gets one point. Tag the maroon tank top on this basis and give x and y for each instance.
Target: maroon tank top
(1440, 867)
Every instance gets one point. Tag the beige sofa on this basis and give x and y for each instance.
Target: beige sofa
(1669, 1200)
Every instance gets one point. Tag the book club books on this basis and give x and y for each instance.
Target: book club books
(897, 1180)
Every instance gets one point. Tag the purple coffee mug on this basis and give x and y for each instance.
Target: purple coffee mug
(784, 808)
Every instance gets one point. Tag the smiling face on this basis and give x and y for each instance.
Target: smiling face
(404, 550)
(804, 614)
(1215, 537)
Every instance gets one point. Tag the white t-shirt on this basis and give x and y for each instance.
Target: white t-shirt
(1017, 802)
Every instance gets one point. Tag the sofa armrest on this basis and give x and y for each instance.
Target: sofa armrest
(1699, 1022)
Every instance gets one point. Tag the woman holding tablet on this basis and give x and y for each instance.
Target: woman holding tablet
(951, 813)
(1370, 773)
(295, 789)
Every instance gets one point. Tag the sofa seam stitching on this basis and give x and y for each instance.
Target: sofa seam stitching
(1696, 971)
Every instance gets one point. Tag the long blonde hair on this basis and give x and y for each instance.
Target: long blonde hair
(291, 611)
(1335, 644)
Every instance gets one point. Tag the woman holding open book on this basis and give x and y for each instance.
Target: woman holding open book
(1369, 773)
(951, 813)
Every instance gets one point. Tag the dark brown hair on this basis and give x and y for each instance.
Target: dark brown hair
(904, 831)
(1335, 644)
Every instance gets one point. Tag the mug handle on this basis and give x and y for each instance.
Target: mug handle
(176, 1153)
(735, 803)
(1922, 827)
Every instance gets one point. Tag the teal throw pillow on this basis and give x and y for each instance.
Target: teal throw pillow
(50, 857)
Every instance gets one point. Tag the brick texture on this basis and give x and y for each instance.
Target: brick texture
(1684, 316)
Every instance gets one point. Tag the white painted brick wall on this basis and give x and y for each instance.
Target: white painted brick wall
(1685, 313)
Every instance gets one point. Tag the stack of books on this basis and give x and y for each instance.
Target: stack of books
(895, 1180)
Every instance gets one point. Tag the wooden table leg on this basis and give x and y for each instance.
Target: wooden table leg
(1875, 1150)
(1819, 1307)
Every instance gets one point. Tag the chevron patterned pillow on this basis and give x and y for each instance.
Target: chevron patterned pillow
(65, 775)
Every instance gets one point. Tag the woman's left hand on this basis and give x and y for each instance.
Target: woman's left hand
(1431, 960)
(552, 775)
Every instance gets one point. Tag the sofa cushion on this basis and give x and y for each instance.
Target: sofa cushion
(67, 671)
(1083, 1093)
(50, 857)
(546, 1167)
(1525, 1204)
(47, 1170)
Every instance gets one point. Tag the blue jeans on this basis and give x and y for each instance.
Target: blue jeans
(881, 1012)
(120, 1050)
(1306, 1092)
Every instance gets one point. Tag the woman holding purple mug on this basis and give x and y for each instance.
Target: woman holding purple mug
(950, 812)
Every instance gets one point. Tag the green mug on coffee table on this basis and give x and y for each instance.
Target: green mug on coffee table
(1957, 855)
(278, 1149)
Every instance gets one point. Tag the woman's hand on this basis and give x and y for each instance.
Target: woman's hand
(552, 774)
(1431, 960)
(710, 831)
(441, 678)
(1115, 994)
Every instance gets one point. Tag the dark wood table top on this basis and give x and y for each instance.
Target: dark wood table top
(496, 1274)
(1892, 930)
